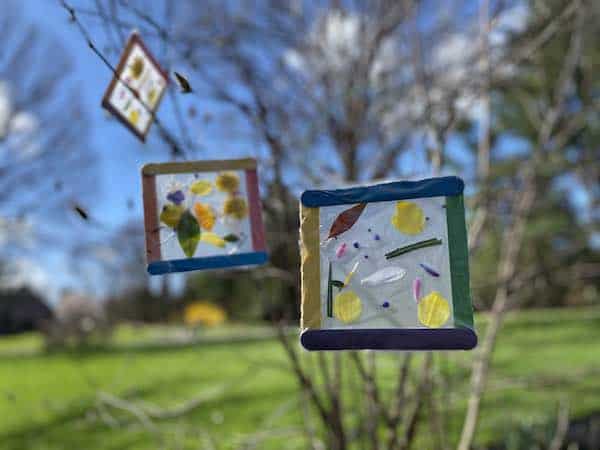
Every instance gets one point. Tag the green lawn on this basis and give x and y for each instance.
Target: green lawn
(47, 400)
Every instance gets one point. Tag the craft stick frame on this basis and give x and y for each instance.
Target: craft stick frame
(316, 335)
(134, 40)
(156, 264)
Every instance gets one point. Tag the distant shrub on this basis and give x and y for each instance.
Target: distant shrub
(78, 322)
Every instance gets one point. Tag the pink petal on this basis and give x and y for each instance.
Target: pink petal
(417, 289)
(341, 250)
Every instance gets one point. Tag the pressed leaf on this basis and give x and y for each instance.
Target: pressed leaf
(231, 238)
(188, 233)
(184, 84)
(82, 212)
(337, 283)
(345, 220)
(412, 247)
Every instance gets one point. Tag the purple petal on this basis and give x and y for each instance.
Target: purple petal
(176, 197)
(430, 270)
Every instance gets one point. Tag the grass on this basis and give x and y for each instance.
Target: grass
(47, 399)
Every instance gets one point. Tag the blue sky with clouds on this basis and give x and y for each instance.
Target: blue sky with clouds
(119, 154)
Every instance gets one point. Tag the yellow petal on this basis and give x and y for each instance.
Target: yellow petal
(137, 67)
(408, 218)
(347, 307)
(434, 310)
(350, 274)
(235, 207)
(212, 239)
(205, 215)
(134, 116)
(201, 187)
(228, 182)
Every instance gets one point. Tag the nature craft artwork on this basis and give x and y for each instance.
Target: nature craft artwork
(137, 88)
(202, 215)
(386, 267)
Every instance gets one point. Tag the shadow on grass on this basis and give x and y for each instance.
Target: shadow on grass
(75, 429)
(145, 347)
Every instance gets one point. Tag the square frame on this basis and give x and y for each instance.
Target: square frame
(461, 337)
(134, 39)
(157, 266)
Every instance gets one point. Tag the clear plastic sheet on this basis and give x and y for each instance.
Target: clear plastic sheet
(384, 287)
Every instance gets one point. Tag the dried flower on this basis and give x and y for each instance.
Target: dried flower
(205, 215)
(134, 116)
(137, 67)
(235, 207)
(228, 182)
(201, 187)
(176, 197)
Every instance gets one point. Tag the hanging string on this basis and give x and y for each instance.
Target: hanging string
(176, 149)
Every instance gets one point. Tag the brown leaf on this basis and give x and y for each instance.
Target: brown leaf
(345, 220)
(183, 83)
(82, 212)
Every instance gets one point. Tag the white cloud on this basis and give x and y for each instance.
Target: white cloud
(331, 45)
(336, 39)
(25, 272)
(18, 128)
(5, 108)
(23, 123)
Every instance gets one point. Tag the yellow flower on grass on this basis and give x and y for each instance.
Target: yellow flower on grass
(434, 310)
(235, 207)
(201, 187)
(227, 182)
(205, 215)
(212, 239)
(204, 313)
(408, 218)
(137, 67)
(347, 307)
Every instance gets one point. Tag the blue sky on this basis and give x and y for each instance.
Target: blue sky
(119, 154)
(117, 176)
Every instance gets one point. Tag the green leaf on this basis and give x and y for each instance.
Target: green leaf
(231, 238)
(188, 233)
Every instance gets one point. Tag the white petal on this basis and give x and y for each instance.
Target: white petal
(384, 276)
